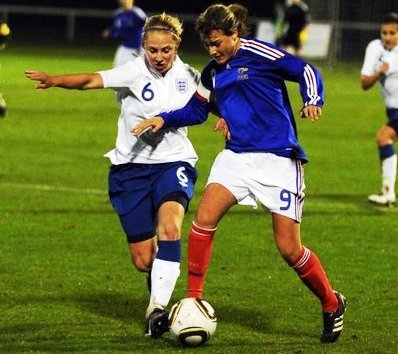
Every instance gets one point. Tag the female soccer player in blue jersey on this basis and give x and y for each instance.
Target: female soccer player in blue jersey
(381, 65)
(263, 159)
(151, 179)
(127, 27)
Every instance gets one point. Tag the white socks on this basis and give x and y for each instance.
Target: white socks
(164, 276)
(389, 173)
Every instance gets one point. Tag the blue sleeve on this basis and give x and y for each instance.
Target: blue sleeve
(307, 76)
(195, 112)
(115, 29)
(311, 86)
(197, 109)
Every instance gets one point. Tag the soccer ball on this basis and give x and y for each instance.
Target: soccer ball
(192, 321)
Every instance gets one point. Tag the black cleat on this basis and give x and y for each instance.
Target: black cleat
(157, 323)
(333, 321)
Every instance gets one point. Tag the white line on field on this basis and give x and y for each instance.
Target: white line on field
(48, 188)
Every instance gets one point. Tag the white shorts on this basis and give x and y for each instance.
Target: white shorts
(274, 181)
(124, 54)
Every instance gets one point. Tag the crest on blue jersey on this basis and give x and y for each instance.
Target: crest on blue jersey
(243, 73)
(182, 85)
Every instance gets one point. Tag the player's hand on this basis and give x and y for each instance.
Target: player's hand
(312, 112)
(222, 126)
(44, 79)
(156, 123)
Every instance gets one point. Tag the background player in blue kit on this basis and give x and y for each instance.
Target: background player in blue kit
(263, 159)
(381, 65)
(127, 27)
(151, 179)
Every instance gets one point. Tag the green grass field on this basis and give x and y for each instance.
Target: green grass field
(66, 282)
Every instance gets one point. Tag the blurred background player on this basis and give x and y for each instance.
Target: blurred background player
(381, 65)
(127, 28)
(279, 21)
(4, 36)
(296, 20)
(151, 179)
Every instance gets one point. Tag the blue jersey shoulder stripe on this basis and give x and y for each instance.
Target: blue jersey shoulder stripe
(261, 49)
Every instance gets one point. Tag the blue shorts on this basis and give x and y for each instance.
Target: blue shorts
(137, 191)
(392, 114)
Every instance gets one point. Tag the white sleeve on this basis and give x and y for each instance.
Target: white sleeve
(120, 77)
(371, 60)
(392, 61)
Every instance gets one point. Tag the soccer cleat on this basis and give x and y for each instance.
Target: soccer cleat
(333, 321)
(157, 323)
(382, 198)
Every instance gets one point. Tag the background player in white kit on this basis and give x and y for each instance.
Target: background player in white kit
(127, 27)
(381, 64)
(150, 181)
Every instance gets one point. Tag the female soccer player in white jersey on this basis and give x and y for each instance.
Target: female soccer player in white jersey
(381, 65)
(263, 159)
(152, 178)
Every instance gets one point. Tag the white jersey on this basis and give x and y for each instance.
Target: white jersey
(375, 55)
(144, 93)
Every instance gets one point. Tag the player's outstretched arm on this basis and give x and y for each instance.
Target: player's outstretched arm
(67, 81)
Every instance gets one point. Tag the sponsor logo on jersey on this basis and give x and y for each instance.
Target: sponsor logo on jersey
(182, 85)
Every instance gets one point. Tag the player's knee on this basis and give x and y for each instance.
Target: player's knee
(380, 138)
(143, 263)
(206, 220)
(169, 231)
(385, 136)
(289, 254)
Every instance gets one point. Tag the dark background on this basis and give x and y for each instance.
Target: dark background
(262, 8)
(46, 29)
(355, 22)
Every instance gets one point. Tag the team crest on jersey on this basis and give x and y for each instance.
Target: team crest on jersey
(182, 85)
(243, 73)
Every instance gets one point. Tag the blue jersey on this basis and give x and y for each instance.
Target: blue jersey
(127, 26)
(249, 92)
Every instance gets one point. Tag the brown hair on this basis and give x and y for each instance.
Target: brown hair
(391, 17)
(223, 18)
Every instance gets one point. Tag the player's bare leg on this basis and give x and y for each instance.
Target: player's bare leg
(143, 253)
